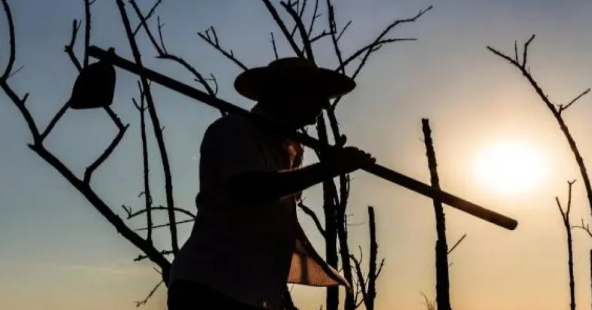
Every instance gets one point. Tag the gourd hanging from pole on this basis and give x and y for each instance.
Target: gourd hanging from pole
(95, 85)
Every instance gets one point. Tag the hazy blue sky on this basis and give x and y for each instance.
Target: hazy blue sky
(57, 252)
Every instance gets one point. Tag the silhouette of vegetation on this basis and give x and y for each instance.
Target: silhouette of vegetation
(302, 36)
(441, 249)
(565, 212)
(557, 110)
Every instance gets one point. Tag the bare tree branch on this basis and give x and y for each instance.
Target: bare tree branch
(166, 225)
(18, 102)
(334, 36)
(313, 216)
(275, 52)
(456, 244)
(145, 300)
(109, 150)
(162, 52)
(156, 125)
(12, 42)
(301, 30)
(522, 67)
(210, 36)
(283, 28)
(69, 48)
(87, 27)
(147, 17)
(131, 214)
(565, 216)
(143, 257)
(562, 108)
(368, 49)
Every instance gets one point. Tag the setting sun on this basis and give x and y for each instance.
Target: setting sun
(509, 167)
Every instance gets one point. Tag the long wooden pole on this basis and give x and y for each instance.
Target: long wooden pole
(375, 169)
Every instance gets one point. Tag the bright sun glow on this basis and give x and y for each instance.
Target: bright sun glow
(510, 168)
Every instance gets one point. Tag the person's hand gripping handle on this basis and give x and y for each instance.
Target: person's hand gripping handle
(346, 159)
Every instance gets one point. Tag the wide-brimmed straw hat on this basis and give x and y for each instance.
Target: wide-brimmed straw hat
(293, 74)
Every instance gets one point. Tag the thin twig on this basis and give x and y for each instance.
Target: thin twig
(275, 52)
(87, 30)
(562, 108)
(210, 36)
(308, 211)
(302, 30)
(166, 225)
(147, 17)
(565, 216)
(145, 300)
(283, 27)
(368, 49)
(131, 214)
(163, 53)
(69, 48)
(456, 244)
(143, 257)
(108, 151)
(334, 37)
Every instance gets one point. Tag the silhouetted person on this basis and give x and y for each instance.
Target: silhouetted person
(246, 243)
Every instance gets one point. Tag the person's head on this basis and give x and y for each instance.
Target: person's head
(293, 90)
(295, 107)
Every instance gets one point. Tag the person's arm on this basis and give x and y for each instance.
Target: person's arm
(231, 147)
(261, 186)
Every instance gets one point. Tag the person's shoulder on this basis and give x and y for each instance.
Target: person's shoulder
(231, 123)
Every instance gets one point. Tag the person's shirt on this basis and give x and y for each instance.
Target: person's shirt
(248, 253)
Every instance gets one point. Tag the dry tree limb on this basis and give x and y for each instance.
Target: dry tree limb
(143, 257)
(367, 282)
(145, 163)
(166, 225)
(87, 21)
(69, 48)
(308, 211)
(145, 300)
(276, 17)
(275, 52)
(38, 147)
(555, 109)
(565, 216)
(379, 41)
(164, 54)
(131, 214)
(210, 36)
(456, 244)
(302, 30)
(157, 127)
(147, 17)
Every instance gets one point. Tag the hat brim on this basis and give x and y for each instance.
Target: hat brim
(324, 82)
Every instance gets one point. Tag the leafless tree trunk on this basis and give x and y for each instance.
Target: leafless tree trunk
(442, 277)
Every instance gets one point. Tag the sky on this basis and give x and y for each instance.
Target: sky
(57, 252)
